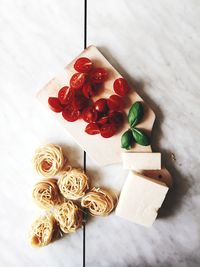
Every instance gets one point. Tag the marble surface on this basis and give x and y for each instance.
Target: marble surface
(155, 45)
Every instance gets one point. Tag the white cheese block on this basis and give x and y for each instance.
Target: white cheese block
(140, 199)
(141, 161)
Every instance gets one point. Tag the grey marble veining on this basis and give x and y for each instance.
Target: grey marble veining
(155, 45)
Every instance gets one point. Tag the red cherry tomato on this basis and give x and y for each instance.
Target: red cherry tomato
(101, 105)
(70, 114)
(103, 120)
(115, 102)
(98, 75)
(80, 101)
(121, 86)
(55, 105)
(87, 90)
(89, 115)
(108, 130)
(83, 64)
(92, 128)
(116, 117)
(77, 80)
(65, 94)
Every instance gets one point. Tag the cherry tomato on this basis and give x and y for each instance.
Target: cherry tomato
(77, 80)
(108, 130)
(98, 75)
(80, 101)
(101, 105)
(121, 86)
(55, 105)
(89, 115)
(70, 114)
(103, 120)
(116, 117)
(83, 64)
(87, 90)
(65, 94)
(92, 128)
(115, 102)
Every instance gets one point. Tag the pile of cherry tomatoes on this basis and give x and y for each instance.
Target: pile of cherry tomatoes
(104, 116)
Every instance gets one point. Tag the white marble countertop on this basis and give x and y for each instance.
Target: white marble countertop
(155, 45)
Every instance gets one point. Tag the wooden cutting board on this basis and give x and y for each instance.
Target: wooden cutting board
(104, 151)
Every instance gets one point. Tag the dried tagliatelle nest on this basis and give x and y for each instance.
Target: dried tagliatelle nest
(46, 193)
(57, 196)
(42, 230)
(98, 201)
(73, 183)
(48, 160)
(69, 216)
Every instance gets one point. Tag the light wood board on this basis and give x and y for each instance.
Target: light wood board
(104, 151)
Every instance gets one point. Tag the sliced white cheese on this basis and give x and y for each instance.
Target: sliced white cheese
(140, 199)
(141, 161)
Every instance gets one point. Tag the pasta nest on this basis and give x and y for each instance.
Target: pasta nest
(98, 201)
(73, 183)
(69, 216)
(48, 160)
(42, 230)
(46, 193)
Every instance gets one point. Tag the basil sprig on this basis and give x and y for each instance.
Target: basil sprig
(135, 114)
(134, 134)
(127, 139)
(140, 137)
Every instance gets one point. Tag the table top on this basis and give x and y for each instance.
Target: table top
(155, 45)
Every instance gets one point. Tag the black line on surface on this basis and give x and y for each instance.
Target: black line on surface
(85, 24)
(84, 215)
(84, 155)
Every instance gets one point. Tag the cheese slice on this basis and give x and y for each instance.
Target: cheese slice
(141, 161)
(140, 199)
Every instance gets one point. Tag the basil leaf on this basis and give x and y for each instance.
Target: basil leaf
(135, 114)
(140, 137)
(127, 140)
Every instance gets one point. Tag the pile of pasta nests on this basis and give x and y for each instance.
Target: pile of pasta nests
(64, 198)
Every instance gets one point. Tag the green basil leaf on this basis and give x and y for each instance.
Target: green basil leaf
(140, 137)
(135, 114)
(127, 140)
